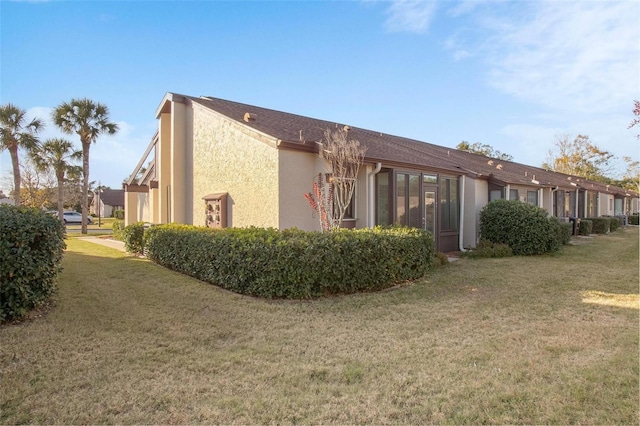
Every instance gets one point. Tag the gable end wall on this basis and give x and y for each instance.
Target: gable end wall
(227, 158)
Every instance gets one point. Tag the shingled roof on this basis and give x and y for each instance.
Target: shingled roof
(112, 197)
(302, 132)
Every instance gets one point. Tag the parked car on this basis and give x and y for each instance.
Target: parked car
(72, 217)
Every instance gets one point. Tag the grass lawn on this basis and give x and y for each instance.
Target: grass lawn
(550, 339)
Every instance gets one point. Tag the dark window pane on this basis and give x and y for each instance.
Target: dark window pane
(382, 191)
(414, 201)
(401, 199)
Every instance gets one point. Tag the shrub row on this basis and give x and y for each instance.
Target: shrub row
(586, 227)
(133, 238)
(118, 214)
(292, 263)
(487, 249)
(527, 229)
(31, 248)
(634, 219)
(601, 225)
(117, 227)
(614, 224)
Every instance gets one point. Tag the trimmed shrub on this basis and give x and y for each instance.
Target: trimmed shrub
(601, 225)
(31, 248)
(118, 227)
(440, 259)
(563, 230)
(292, 263)
(634, 219)
(586, 226)
(133, 238)
(614, 224)
(118, 214)
(487, 249)
(525, 228)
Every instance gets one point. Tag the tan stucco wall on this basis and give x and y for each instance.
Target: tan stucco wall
(130, 208)
(297, 172)
(547, 200)
(361, 198)
(229, 158)
(476, 196)
(144, 210)
(163, 164)
(606, 204)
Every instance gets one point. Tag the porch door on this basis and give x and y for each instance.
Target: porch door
(430, 211)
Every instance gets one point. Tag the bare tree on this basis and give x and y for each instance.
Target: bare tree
(636, 112)
(38, 187)
(579, 157)
(333, 192)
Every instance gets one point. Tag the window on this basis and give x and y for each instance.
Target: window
(513, 194)
(532, 198)
(401, 199)
(448, 204)
(383, 195)
(429, 179)
(565, 203)
(350, 212)
(495, 194)
(408, 200)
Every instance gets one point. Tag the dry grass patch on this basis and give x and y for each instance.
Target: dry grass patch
(510, 340)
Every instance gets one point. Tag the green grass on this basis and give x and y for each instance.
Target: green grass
(550, 339)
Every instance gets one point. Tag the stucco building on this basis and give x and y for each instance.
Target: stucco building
(220, 163)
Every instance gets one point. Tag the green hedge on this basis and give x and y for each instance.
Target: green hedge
(31, 248)
(117, 227)
(634, 219)
(118, 214)
(487, 249)
(601, 225)
(292, 263)
(586, 227)
(563, 230)
(133, 238)
(527, 229)
(615, 224)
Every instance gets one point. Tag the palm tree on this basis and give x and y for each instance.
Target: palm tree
(88, 119)
(57, 154)
(16, 133)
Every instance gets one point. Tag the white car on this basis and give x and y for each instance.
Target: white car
(72, 217)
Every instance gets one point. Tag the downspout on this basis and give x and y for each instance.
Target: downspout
(461, 231)
(372, 195)
(541, 198)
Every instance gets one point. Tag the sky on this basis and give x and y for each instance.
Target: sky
(511, 74)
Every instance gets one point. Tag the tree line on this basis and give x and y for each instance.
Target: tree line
(84, 117)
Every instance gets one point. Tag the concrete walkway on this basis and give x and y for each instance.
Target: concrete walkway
(118, 245)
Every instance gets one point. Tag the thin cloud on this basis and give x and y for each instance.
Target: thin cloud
(410, 16)
(579, 56)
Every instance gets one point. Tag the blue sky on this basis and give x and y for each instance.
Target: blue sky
(509, 74)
